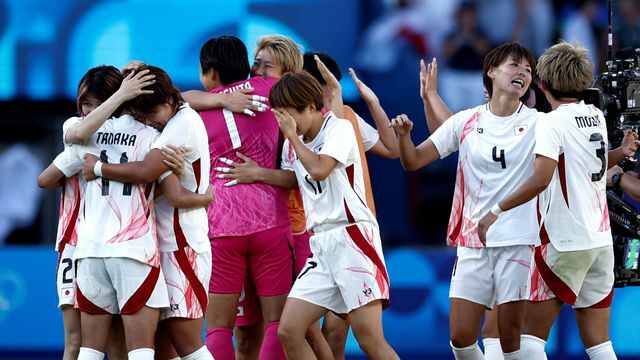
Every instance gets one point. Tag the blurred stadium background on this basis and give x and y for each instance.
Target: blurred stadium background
(46, 46)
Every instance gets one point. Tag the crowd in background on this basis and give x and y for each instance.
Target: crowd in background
(395, 35)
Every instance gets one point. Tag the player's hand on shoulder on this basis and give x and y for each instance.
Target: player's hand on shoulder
(88, 164)
(244, 102)
(401, 124)
(173, 157)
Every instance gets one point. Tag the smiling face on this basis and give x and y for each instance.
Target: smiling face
(511, 77)
(265, 65)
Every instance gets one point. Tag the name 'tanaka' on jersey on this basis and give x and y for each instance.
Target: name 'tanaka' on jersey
(107, 138)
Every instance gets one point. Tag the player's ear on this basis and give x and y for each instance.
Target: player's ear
(311, 108)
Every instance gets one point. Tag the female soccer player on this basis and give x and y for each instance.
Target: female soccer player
(574, 262)
(495, 142)
(185, 253)
(101, 91)
(346, 274)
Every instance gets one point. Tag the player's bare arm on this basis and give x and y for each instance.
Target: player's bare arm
(240, 101)
(137, 172)
(412, 157)
(318, 166)
(435, 110)
(50, 178)
(387, 146)
(181, 198)
(334, 102)
(534, 185)
(249, 171)
(132, 86)
(628, 147)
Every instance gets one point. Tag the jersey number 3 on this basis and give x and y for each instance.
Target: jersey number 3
(600, 154)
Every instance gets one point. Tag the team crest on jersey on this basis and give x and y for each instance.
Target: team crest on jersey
(520, 129)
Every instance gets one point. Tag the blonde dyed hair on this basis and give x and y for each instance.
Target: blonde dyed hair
(286, 52)
(566, 68)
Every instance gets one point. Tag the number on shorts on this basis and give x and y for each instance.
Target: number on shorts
(69, 266)
(600, 154)
(124, 158)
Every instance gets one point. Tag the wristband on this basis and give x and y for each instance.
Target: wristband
(495, 210)
(97, 168)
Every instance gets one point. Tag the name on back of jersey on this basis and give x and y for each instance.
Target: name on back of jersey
(108, 138)
(587, 121)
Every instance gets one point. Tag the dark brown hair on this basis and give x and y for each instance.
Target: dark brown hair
(498, 55)
(296, 90)
(164, 92)
(101, 82)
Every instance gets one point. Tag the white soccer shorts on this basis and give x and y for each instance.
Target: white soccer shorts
(119, 286)
(346, 270)
(491, 275)
(187, 275)
(579, 278)
(66, 276)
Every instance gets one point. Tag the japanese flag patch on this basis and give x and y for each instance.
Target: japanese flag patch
(520, 129)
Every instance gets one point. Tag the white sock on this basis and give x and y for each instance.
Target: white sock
(200, 354)
(532, 348)
(514, 355)
(90, 354)
(142, 354)
(492, 349)
(602, 351)
(175, 358)
(467, 353)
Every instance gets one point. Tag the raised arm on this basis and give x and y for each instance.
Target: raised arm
(249, 171)
(181, 198)
(628, 147)
(131, 86)
(334, 101)
(412, 157)
(435, 110)
(387, 146)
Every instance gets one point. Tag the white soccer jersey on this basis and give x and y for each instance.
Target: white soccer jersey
(72, 192)
(494, 159)
(175, 226)
(574, 205)
(337, 200)
(116, 219)
(68, 124)
(370, 135)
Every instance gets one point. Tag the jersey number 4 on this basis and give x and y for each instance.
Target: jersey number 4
(501, 159)
(126, 190)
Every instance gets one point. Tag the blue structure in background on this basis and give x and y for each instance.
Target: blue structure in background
(45, 47)
(416, 324)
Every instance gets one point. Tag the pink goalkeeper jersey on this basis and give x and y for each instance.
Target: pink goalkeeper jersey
(244, 208)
